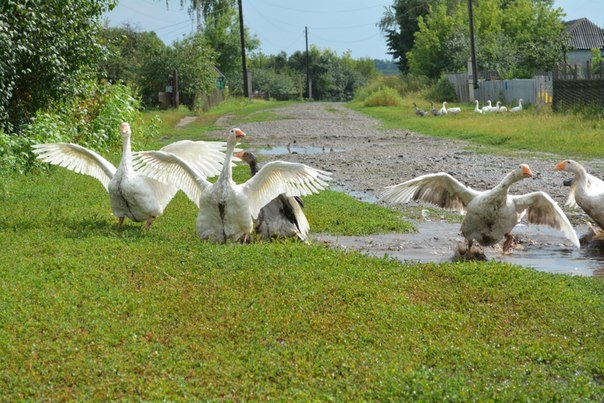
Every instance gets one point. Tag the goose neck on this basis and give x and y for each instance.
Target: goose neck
(227, 170)
(126, 153)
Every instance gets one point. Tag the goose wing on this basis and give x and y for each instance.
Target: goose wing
(440, 189)
(206, 157)
(76, 158)
(540, 208)
(170, 169)
(301, 221)
(279, 177)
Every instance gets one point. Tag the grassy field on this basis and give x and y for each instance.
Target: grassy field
(92, 312)
(572, 136)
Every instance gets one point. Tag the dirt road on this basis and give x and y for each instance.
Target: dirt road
(366, 159)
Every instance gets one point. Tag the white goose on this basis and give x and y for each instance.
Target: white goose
(132, 195)
(452, 111)
(477, 108)
(586, 191)
(282, 216)
(487, 108)
(501, 108)
(518, 108)
(226, 209)
(490, 215)
(443, 110)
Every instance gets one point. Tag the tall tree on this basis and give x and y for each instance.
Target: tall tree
(399, 25)
(46, 46)
(514, 38)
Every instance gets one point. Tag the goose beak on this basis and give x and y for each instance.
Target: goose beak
(560, 166)
(239, 155)
(526, 171)
(239, 133)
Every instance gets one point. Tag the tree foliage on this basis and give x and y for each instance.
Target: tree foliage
(46, 47)
(399, 25)
(513, 38)
(194, 60)
(139, 59)
(222, 34)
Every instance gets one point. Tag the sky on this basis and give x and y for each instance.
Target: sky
(339, 25)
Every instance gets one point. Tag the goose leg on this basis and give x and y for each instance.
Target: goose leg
(509, 242)
(120, 221)
(148, 223)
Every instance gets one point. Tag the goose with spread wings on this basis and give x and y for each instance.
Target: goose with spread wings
(586, 192)
(281, 217)
(489, 215)
(132, 195)
(227, 209)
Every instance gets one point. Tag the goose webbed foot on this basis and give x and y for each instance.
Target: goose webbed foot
(470, 251)
(593, 237)
(508, 244)
(148, 223)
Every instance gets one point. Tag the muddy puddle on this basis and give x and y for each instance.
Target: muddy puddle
(541, 248)
(293, 149)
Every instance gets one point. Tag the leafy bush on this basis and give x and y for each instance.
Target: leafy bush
(401, 84)
(442, 91)
(91, 120)
(384, 97)
(279, 86)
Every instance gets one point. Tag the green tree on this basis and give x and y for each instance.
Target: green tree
(513, 38)
(46, 47)
(194, 60)
(139, 59)
(399, 25)
(222, 33)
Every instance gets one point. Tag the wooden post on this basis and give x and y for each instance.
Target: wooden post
(175, 97)
(576, 72)
(588, 70)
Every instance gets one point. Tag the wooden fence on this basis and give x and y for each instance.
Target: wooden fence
(535, 90)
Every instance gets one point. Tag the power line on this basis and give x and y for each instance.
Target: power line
(325, 11)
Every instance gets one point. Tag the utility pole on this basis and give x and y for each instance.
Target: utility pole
(175, 95)
(309, 90)
(246, 91)
(472, 48)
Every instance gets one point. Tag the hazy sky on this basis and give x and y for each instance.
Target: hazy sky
(279, 24)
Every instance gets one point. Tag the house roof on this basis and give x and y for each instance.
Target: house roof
(584, 34)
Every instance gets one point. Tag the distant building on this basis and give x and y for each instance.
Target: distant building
(582, 36)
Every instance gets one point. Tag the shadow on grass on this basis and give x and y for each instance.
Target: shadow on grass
(88, 227)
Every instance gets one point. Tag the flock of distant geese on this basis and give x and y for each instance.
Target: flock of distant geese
(269, 204)
(443, 111)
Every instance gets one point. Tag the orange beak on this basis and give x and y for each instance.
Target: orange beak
(239, 133)
(526, 171)
(124, 126)
(560, 166)
(239, 155)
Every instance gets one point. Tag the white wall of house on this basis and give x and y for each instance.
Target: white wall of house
(579, 57)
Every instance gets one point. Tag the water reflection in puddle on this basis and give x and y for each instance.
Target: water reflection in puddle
(280, 150)
(543, 249)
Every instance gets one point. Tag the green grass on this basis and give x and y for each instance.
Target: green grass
(92, 312)
(339, 214)
(89, 311)
(571, 136)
